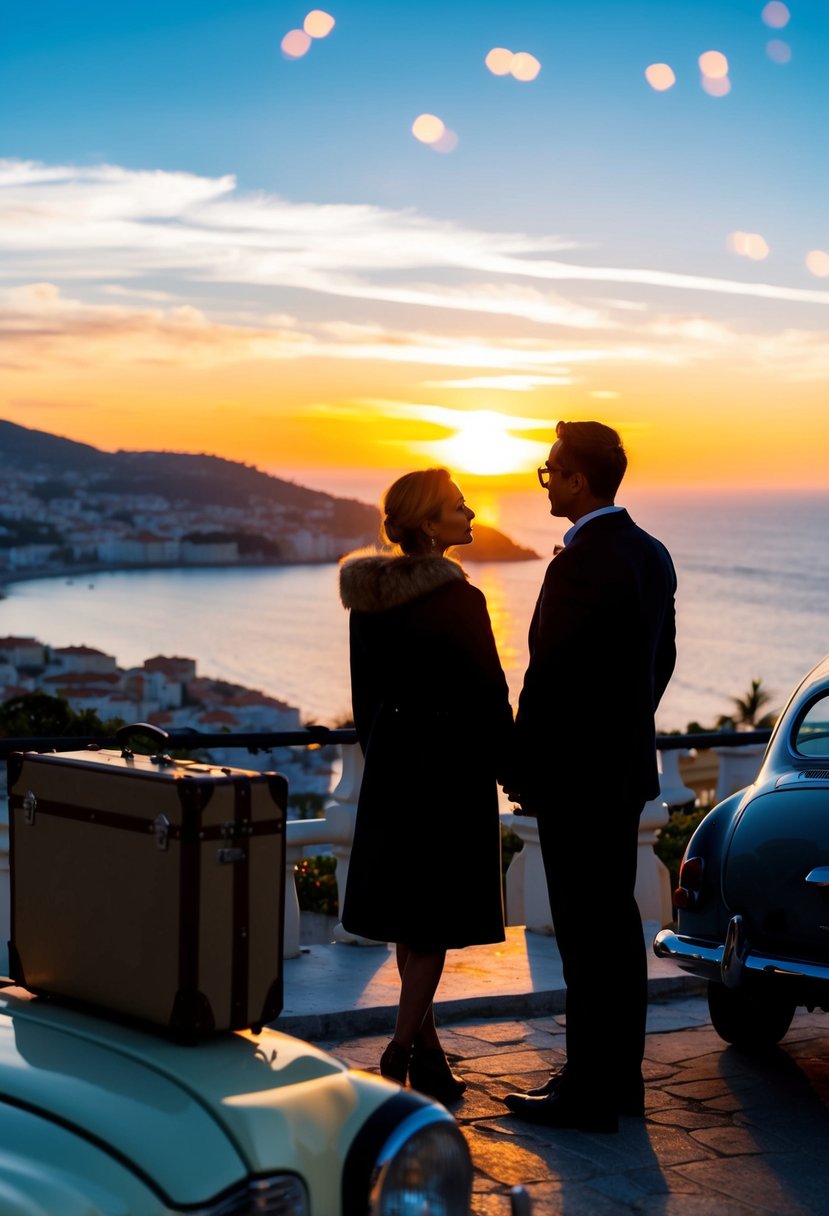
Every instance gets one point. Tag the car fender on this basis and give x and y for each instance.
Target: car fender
(708, 916)
(81, 1180)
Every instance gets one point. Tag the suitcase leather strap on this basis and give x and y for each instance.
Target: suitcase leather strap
(239, 965)
(138, 823)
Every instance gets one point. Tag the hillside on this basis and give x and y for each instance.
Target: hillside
(54, 467)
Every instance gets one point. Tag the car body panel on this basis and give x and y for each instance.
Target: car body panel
(760, 917)
(781, 837)
(194, 1120)
(81, 1179)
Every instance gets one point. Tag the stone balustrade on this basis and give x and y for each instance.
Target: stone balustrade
(526, 893)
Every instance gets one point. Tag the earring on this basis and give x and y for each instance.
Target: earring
(432, 544)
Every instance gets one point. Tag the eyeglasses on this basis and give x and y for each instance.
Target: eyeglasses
(546, 472)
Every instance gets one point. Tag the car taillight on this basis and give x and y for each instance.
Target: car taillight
(690, 883)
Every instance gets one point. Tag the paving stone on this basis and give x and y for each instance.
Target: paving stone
(508, 1032)
(791, 1185)
(522, 1160)
(516, 1063)
(703, 1090)
(693, 1205)
(734, 1141)
(677, 1116)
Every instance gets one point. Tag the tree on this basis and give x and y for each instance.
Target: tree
(747, 708)
(37, 715)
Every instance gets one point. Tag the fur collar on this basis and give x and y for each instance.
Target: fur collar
(372, 581)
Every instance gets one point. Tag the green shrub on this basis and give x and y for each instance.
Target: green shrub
(511, 843)
(316, 884)
(673, 839)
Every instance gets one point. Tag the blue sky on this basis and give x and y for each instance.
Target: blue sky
(582, 212)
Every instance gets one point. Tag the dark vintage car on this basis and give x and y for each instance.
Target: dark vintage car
(752, 902)
(101, 1118)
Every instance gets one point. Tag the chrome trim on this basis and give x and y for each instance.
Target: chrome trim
(734, 953)
(705, 959)
(406, 1130)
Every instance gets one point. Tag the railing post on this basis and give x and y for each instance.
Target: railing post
(527, 900)
(738, 767)
(341, 815)
(290, 938)
(5, 889)
(653, 880)
(672, 789)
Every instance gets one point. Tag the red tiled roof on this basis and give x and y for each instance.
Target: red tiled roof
(80, 650)
(84, 677)
(218, 717)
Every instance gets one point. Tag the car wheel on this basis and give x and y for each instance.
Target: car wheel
(749, 1019)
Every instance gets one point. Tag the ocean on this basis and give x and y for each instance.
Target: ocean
(753, 602)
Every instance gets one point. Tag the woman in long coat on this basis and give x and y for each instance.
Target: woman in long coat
(433, 718)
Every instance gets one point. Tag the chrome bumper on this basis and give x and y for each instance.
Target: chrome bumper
(728, 963)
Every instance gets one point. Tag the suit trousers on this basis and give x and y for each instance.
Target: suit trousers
(589, 849)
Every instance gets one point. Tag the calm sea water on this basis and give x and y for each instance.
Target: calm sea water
(753, 602)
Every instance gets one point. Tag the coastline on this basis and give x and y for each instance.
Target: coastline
(33, 573)
(85, 570)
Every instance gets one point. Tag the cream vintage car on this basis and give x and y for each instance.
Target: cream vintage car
(101, 1118)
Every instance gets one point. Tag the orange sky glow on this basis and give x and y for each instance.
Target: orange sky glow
(287, 275)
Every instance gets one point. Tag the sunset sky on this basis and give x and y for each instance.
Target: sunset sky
(220, 234)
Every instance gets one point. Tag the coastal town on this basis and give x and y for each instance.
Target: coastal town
(67, 507)
(167, 692)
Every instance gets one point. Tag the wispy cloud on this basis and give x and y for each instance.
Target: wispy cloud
(117, 266)
(110, 223)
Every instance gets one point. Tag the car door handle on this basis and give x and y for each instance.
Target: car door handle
(820, 876)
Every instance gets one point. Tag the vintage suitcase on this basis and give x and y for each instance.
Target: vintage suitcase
(147, 886)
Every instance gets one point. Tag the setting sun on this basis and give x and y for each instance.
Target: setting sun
(483, 445)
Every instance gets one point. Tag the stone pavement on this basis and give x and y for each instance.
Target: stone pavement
(725, 1134)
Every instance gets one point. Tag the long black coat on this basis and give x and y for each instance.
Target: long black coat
(433, 719)
(602, 650)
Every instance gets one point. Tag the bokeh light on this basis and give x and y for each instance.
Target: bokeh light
(716, 86)
(447, 142)
(524, 66)
(318, 24)
(776, 15)
(713, 64)
(428, 128)
(749, 245)
(660, 76)
(499, 61)
(778, 51)
(817, 260)
(295, 44)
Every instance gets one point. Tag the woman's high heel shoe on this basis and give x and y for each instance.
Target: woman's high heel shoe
(394, 1062)
(429, 1073)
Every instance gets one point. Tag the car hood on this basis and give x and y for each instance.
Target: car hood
(193, 1119)
(780, 837)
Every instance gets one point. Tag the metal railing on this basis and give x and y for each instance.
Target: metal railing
(527, 901)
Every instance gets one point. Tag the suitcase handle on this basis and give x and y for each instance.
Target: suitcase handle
(125, 733)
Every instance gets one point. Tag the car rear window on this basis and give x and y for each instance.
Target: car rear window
(812, 733)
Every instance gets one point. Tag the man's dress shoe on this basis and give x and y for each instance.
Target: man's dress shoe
(631, 1099)
(560, 1109)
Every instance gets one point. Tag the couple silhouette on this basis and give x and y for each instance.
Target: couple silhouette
(433, 718)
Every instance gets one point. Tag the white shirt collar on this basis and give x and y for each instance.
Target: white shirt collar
(571, 532)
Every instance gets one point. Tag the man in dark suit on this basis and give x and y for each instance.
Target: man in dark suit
(602, 649)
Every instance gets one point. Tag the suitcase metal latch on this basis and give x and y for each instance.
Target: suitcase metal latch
(226, 857)
(161, 831)
(29, 806)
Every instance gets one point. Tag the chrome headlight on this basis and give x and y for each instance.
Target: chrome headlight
(423, 1169)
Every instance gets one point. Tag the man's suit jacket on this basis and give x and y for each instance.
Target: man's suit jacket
(602, 649)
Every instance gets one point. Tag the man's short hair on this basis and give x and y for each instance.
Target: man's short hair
(596, 451)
